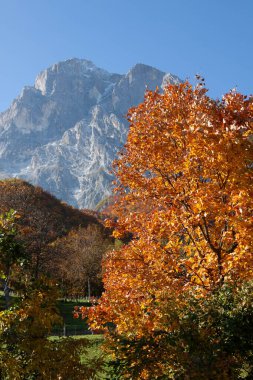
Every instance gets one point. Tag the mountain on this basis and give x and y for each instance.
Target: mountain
(64, 132)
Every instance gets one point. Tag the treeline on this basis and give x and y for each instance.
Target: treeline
(62, 242)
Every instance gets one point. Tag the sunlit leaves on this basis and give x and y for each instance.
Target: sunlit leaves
(187, 169)
(185, 185)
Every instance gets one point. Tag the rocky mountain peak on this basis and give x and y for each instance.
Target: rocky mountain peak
(142, 69)
(64, 132)
(69, 74)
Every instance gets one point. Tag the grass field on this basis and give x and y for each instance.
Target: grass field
(94, 352)
(72, 326)
(80, 327)
(66, 309)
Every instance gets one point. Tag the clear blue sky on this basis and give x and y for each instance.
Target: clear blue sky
(211, 37)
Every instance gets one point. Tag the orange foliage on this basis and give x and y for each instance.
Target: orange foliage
(185, 179)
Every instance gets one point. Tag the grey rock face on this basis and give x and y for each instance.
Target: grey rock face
(64, 132)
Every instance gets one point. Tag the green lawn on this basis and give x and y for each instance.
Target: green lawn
(66, 309)
(77, 326)
(94, 352)
(73, 326)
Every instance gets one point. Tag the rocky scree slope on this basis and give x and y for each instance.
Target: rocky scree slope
(64, 132)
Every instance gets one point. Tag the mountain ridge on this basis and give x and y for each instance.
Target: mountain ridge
(64, 132)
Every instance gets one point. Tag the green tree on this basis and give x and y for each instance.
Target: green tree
(12, 253)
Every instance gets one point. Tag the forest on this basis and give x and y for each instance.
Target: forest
(166, 267)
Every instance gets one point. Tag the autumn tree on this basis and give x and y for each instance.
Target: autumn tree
(77, 261)
(185, 185)
(43, 219)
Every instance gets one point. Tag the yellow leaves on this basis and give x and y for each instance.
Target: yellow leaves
(186, 198)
